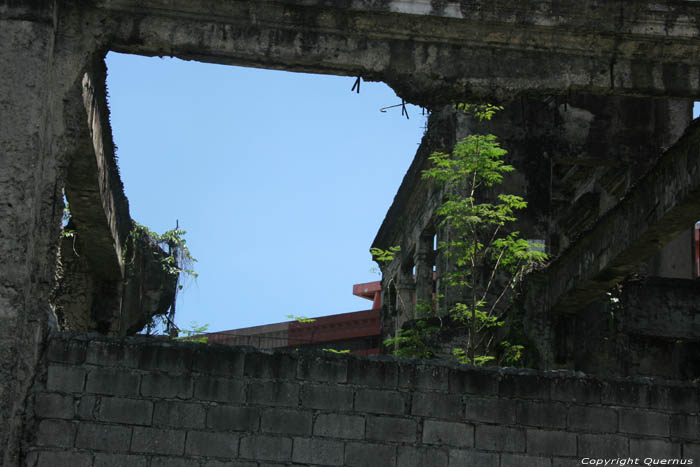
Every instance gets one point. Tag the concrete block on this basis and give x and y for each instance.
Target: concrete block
(491, 409)
(391, 429)
(691, 451)
(88, 407)
(471, 381)
(625, 393)
(459, 435)
(675, 398)
(323, 369)
(339, 426)
(520, 460)
(541, 414)
(66, 351)
(654, 448)
(685, 426)
(216, 463)
(423, 377)
(378, 401)
(270, 366)
(645, 422)
(64, 459)
(566, 462)
(119, 460)
(161, 461)
(409, 456)
(600, 446)
(113, 382)
(596, 419)
(131, 411)
(524, 386)
(444, 406)
(96, 436)
(179, 414)
(58, 433)
(580, 390)
(203, 443)
(317, 451)
(373, 373)
(65, 378)
(326, 397)
(266, 448)
(499, 438)
(158, 441)
(167, 386)
(293, 422)
(219, 389)
(369, 455)
(226, 418)
(115, 354)
(276, 393)
(550, 443)
(472, 458)
(53, 405)
(166, 358)
(219, 362)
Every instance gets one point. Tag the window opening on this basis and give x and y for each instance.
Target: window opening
(280, 180)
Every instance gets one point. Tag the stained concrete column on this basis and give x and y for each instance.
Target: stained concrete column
(424, 260)
(406, 289)
(28, 197)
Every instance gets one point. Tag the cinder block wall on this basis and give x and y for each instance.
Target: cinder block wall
(135, 403)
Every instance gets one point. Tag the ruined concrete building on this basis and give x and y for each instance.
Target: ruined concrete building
(597, 122)
(585, 164)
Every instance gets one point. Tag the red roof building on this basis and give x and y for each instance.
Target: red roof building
(358, 332)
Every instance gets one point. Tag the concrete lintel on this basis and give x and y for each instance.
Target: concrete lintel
(663, 204)
(495, 49)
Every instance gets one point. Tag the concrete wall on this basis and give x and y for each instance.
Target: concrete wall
(108, 402)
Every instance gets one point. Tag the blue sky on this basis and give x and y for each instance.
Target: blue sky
(280, 179)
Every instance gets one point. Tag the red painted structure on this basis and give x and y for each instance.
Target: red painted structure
(370, 291)
(358, 331)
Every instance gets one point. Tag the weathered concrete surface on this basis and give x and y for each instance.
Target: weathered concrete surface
(646, 327)
(667, 308)
(41, 112)
(575, 158)
(433, 52)
(429, 54)
(29, 217)
(676, 260)
(133, 402)
(662, 205)
(93, 188)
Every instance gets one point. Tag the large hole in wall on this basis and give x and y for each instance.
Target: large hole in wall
(280, 179)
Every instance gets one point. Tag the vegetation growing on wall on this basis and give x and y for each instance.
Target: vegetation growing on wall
(175, 262)
(488, 257)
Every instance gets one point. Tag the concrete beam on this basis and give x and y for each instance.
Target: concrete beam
(432, 52)
(663, 204)
(93, 187)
